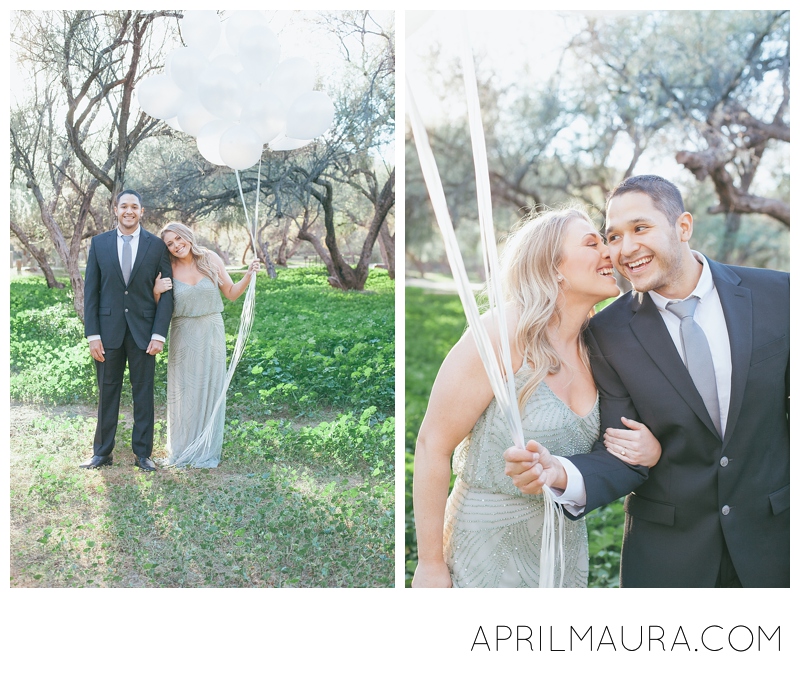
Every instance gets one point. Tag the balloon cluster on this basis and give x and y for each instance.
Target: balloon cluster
(229, 90)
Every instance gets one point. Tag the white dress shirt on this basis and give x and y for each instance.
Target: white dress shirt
(134, 245)
(134, 249)
(711, 318)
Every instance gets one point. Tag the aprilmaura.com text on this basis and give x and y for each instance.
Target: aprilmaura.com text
(712, 638)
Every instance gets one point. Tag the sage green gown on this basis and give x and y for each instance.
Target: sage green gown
(493, 532)
(195, 375)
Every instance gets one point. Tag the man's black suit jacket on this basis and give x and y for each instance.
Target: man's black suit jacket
(704, 491)
(110, 307)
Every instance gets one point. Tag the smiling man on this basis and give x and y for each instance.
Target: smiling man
(699, 353)
(124, 325)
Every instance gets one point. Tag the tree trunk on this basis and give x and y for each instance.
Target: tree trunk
(285, 250)
(386, 244)
(295, 244)
(38, 254)
(280, 258)
(319, 248)
(265, 255)
(382, 207)
(76, 281)
(341, 274)
(733, 221)
(418, 263)
(222, 254)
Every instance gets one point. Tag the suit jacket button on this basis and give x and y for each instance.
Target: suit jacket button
(723, 462)
(126, 310)
(726, 510)
(126, 291)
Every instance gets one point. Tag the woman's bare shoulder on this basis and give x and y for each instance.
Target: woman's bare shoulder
(490, 321)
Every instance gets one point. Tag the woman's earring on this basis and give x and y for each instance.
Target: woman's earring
(560, 278)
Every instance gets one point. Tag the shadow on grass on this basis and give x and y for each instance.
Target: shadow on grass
(265, 518)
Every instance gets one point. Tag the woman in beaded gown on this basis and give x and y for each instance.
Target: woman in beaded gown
(555, 268)
(196, 363)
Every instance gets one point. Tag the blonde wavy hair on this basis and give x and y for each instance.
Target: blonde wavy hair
(529, 267)
(200, 254)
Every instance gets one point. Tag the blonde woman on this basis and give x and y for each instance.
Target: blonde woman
(556, 267)
(196, 363)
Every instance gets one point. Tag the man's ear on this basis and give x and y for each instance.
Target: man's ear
(685, 226)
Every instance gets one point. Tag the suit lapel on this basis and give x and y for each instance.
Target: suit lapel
(144, 244)
(737, 305)
(649, 328)
(114, 256)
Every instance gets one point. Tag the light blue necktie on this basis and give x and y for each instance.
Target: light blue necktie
(126, 257)
(697, 354)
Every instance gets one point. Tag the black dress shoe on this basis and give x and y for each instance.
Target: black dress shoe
(97, 462)
(145, 463)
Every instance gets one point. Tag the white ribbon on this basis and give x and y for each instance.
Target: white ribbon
(498, 367)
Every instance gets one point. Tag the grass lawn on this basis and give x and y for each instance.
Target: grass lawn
(304, 496)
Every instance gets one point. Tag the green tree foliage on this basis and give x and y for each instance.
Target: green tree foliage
(717, 82)
(708, 90)
(74, 131)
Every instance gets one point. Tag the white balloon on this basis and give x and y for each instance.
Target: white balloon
(184, 66)
(284, 143)
(173, 122)
(221, 48)
(259, 51)
(227, 60)
(292, 78)
(266, 114)
(241, 21)
(159, 97)
(208, 140)
(310, 115)
(201, 29)
(218, 89)
(415, 19)
(250, 88)
(240, 147)
(192, 116)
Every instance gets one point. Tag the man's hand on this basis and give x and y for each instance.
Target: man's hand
(155, 346)
(97, 350)
(532, 468)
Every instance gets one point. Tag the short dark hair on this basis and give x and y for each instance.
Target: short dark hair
(127, 191)
(665, 195)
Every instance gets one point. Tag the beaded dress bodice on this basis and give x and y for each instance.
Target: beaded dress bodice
(493, 532)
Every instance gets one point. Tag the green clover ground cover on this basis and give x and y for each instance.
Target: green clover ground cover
(303, 497)
(434, 322)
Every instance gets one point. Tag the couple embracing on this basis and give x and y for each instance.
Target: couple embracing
(135, 285)
(686, 377)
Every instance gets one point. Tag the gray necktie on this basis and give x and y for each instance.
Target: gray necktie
(697, 355)
(126, 257)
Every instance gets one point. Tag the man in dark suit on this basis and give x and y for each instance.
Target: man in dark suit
(714, 510)
(124, 324)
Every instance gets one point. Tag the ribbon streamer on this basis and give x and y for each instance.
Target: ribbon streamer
(498, 367)
(198, 451)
